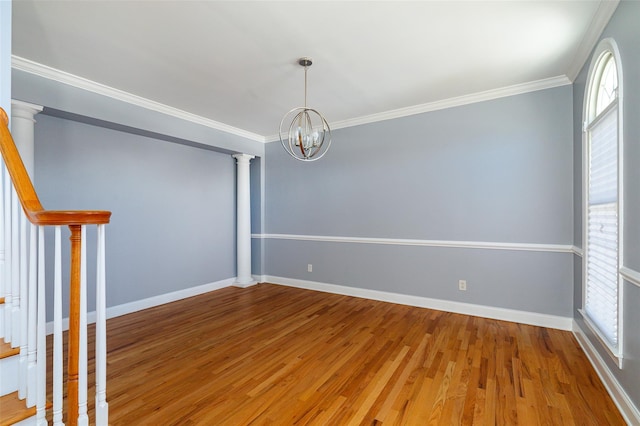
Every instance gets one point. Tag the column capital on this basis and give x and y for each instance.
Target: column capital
(24, 110)
(243, 158)
(22, 129)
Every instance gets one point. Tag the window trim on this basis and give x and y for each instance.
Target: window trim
(606, 47)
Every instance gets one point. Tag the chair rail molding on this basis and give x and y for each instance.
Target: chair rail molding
(487, 245)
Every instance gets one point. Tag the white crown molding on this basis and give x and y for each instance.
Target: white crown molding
(486, 95)
(517, 89)
(628, 410)
(50, 73)
(600, 20)
(630, 275)
(63, 77)
(531, 318)
(556, 248)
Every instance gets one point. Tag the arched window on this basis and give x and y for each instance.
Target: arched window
(603, 197)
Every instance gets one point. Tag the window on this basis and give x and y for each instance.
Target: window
(603, 221)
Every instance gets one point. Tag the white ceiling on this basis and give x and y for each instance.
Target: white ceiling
(235, 62)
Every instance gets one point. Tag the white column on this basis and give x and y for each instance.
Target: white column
(243, 214)
(22, 122)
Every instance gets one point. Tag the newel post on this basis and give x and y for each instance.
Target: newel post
(243, 219)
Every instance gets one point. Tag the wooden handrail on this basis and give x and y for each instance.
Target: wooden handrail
(74, 219)
(27, 194)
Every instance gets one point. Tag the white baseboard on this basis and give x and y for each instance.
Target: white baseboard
(248, 284)
(531, 318)
(138, 305)
(628, 410)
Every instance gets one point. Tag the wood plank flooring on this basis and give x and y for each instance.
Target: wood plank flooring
(274, 355)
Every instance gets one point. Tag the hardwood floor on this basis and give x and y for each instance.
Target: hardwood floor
(274, 355)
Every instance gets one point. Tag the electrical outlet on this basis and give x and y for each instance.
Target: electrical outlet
(309, 268)
(462, 285)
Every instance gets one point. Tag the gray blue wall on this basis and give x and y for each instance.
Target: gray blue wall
(5, 56)
(257, 208)
(624, 29)
(173, 223)
(497, 171)
(170, 184)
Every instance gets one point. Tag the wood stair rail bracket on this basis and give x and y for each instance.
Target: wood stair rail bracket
(74, 219)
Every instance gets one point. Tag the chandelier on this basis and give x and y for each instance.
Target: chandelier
(304, 132)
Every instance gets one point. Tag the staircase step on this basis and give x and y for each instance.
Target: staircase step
(9, 361)
(13, 409)
(6, 350)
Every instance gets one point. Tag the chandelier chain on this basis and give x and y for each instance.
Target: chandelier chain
(306, 67)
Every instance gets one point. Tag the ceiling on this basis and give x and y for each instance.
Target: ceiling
(235, 62)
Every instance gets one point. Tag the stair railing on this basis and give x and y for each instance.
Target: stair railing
(22, 271)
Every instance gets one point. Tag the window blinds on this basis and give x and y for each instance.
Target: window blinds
(601, 303)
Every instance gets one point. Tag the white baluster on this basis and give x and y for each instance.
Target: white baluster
(15, 273)
(57, 330)
(8, 288)
(15, 270)
(102, 407)
(83, 419)
(41, 357)
(24, 312)
(33, 320)
(3, 280)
